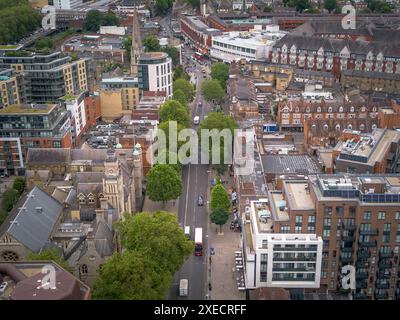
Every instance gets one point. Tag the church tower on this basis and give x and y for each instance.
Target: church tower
(137, 47)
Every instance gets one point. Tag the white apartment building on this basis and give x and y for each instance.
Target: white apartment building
(155, 72)
(67, 4)
(76, 106)
(278, 259)
(252, 45)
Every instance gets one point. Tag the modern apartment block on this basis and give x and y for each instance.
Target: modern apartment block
(52, 76)
(28, 126)
(155, 72)
(358, 218)
(12, 88)
(278, 259)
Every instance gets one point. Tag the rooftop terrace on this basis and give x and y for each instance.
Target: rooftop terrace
(27, 109)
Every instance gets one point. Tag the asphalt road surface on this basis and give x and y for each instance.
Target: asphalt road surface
(195, 183)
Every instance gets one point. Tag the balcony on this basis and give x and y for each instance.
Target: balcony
(371, 232)
(294, 249)
(385, 264)
(382, 286)
(295, 259)
(381, 296)
(362, 284)
(363, 254)
(278, 269)
(384, 255)
(361, 275)
(349, 226)
(363, 243)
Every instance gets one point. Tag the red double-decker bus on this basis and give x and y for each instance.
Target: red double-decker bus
(198, 240)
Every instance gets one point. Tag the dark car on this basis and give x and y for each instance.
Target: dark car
(200, 201)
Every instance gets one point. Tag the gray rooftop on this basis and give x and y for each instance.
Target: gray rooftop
(279, 164)
(33, 222)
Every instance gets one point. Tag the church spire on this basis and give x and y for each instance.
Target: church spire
(136, 43)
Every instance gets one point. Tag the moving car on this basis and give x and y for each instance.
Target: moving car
(200, 201)
(184, 287)
(187, 231)
(196, 120)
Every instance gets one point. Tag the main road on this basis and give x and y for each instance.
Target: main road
(195, 183)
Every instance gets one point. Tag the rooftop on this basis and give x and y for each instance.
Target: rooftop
(298, 194)
(289, 164)
(153, 55)
(27, 109)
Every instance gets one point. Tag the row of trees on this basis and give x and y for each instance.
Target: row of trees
(10, 197)
(155, 248)
(214, 89)
(220, 205)
(95, 19)
(17, 20)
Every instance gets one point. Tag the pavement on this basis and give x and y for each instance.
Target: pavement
(222, 274)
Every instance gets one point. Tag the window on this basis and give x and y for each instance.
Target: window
(386, 227)
(299, 219)
(385, 238)
(339, 210)
(263, 267)
(381, 215)
(397, 238)
(327, 222)
(326, 233)
(352, 211)
(323, 274)
(328, 210)
(367, 215)
(397, 216)
(84, 269)
(311, 229)
(311, 219)
(297, 229)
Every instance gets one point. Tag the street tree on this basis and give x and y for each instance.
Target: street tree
(19, 185)
(179, 72)
(50, 255)
(151, 44)
(131, 276)
(163, 183)
(165, 156)
(220, 72)
(157, 235)
(330, 5)
(212, 90)
(173, 110)
(219, 198)
(220, 121)
(173, 53)
(95, 19)
(219, 216)
(180, 96)
(186, 87)
(164, 126)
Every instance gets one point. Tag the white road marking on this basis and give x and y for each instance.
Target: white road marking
(187, 194)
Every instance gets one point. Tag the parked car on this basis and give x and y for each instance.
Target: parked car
(3, 287)
(200, 201)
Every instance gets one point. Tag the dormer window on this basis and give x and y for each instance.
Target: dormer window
(330, 109)
(340, 109)
(308, 109)
(91, 198)
(351, 109)
(82, 198)
(362, 126)
(337, 127)
(349, 127)
(326, 127)
(319, 109)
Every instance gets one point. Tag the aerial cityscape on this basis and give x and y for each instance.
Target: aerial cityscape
(199, 150)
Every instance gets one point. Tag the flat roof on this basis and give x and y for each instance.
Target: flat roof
(27, 108)
(289, 164)
(153, 55)
(298, 194)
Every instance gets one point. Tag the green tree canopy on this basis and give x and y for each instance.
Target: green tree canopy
(300, 5)
(379, 6)
(268, 8)
(157, 235)
(151, 44)
(164, 126)
(131, 276)
(180, 96)
(330, 5)
(173, 53)
(163, 183)
(162, 6)
(220, 72)
(212, 90)
(169, 155)
(186, 87)
(220, 121)
(17, 20)
(19, 185)
(172, 110)
(127, 43)
(179, 72)
(50, 254)
(44, 43)
(95, 19)
(10, 198)
(219, 198)
(219, 216)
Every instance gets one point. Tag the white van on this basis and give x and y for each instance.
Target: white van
(196, 120)
(187, 231)
(184, 288)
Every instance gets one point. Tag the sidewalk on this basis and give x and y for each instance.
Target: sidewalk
(223, 276)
